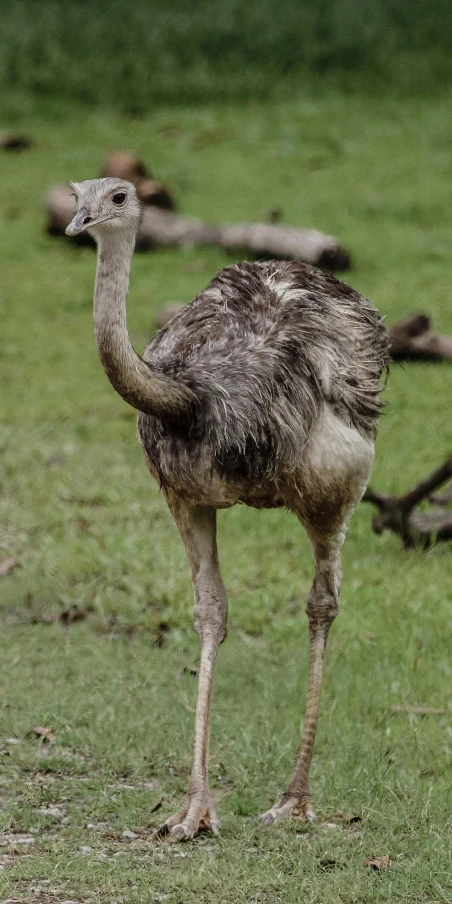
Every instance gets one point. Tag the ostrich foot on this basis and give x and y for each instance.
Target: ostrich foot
(298, 807)
(197, 815)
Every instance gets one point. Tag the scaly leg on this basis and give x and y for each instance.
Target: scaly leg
(321, 609)
(197, 527)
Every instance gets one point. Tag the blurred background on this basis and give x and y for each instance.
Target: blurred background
(131, 56)
(324, 114)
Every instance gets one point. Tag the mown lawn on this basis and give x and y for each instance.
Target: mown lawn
(94, 541)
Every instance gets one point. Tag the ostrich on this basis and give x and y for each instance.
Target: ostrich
(264, 390)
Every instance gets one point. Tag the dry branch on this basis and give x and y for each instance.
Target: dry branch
(414, 338)
(442, 498)
(165, 229)
(399, 513)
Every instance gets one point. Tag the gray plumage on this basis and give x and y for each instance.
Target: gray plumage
(265, 390)
(263, 348)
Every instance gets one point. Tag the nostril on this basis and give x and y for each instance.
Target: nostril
(87, 220)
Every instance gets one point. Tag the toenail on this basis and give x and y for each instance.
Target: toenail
(268, 819)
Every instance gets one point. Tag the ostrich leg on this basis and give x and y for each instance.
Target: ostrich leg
(321, 609)
(197, 527)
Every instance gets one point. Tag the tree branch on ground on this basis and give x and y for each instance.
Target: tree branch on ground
(399, 513)
(162, 228)
(443, 498)
(414, 338)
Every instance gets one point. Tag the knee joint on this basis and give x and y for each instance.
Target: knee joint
(322, 608)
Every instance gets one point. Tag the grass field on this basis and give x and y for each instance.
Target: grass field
(94, 541)
(131, 57)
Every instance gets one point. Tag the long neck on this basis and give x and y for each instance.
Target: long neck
(130, 376)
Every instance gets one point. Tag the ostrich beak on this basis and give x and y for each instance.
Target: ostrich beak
(80, 222)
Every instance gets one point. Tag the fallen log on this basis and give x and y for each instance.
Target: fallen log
(165, 229)
(399, 513)
(414, 338)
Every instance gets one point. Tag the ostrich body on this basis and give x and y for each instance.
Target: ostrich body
(264, 390)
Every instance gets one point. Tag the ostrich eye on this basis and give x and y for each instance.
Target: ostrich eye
(119, 198)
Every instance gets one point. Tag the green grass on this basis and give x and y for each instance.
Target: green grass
(132, 56)
(91, 530)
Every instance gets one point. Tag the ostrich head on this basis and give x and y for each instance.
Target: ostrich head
(104, 205)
